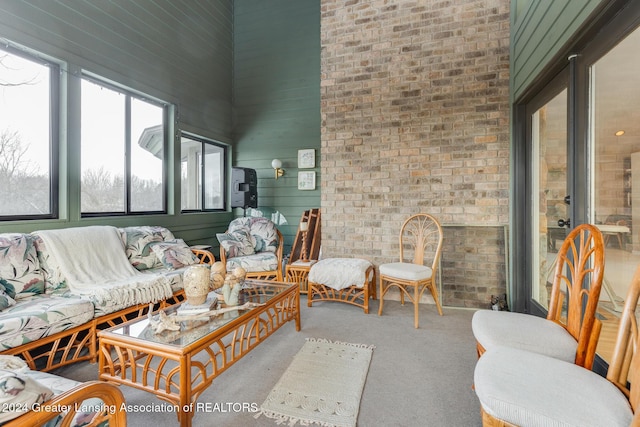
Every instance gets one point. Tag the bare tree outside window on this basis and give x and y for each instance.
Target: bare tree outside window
(25, 171)
(120, 130)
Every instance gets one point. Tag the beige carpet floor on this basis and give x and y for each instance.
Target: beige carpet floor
(417, 377)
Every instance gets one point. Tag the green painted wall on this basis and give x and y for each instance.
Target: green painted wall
(539, 30)
(276, 99)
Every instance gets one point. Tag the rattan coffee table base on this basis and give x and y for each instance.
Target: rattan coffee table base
(174, 373)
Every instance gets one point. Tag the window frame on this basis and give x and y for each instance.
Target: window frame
(54, 134)
(129, 95)
(224, 174)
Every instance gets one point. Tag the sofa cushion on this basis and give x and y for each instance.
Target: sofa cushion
(39, 316)
(138, 242)
(53, 278)
(20, 272)
(265, 261)
(263, 232)
(18, 393)
(174, 254)
(5, 299)
(236, 243)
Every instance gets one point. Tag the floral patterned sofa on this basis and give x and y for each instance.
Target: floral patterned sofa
(255, 244)
(43, 321)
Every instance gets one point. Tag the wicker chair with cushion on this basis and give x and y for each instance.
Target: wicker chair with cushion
(255, 244)
(570, 331)
(33, 398)
(420, 244)
(521, 388)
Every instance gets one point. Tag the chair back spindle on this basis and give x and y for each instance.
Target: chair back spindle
(420, 239)
(579, 273)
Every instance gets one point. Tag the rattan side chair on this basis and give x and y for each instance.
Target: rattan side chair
(420, 248)
(517, 387)
(570, 332)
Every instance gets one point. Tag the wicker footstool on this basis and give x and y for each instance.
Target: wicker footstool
(350, 280)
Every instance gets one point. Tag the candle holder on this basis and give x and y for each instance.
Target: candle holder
(304, 228)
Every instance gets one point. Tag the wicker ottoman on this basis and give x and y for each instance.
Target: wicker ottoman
(350, 280)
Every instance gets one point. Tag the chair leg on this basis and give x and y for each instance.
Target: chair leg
(309, 295)
(381, 297)
(373, 284)
(365, 304)
(434, 293)
(416, 305)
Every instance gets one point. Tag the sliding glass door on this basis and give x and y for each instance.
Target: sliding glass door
(549, 200)
(579, 162)
(614, 85)
(614, 205)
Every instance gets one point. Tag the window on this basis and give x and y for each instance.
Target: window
(123, 151)
(202, 174)
(28, 136)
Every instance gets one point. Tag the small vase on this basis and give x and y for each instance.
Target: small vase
(196, 283)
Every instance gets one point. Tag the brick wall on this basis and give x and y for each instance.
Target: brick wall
(415, 117)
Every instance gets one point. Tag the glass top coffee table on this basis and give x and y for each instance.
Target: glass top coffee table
(165, 363)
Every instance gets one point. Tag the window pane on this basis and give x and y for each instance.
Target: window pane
(25, 171)
(615, 184)
(103, 149)
(147, 153)
(549, 148)
(213, 177)
(191, 173)
(200, 193)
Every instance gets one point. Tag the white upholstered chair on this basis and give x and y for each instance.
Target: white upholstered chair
(521, 388)
(570, 335)
(420, 244)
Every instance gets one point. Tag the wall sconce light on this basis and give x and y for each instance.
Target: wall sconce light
(276, 164)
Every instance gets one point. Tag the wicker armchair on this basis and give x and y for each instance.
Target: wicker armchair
(108, 393)
(255, 244)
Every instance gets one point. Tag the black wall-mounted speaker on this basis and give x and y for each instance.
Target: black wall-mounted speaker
(244, 188)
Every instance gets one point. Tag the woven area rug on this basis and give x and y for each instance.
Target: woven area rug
(323, 385)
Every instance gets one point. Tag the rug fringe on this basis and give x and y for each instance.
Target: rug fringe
(291, 421)
(367, 346)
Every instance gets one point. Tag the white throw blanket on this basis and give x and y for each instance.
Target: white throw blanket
(94, 263)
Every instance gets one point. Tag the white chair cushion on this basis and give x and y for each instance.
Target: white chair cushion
(523, 331)
(406, 271)
(339, 273)
(530, 389)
